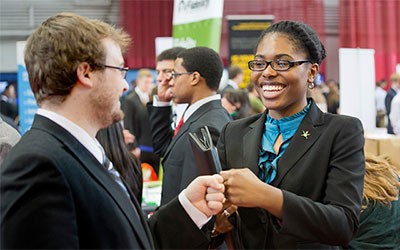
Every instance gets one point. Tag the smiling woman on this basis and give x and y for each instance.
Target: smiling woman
(303, 168)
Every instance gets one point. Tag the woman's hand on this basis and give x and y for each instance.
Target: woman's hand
(244, 189)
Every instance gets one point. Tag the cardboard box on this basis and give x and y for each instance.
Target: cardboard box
(383, 145)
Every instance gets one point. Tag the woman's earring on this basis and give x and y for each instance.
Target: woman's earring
(311, 83)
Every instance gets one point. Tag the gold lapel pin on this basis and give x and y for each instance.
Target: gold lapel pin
(305, 134)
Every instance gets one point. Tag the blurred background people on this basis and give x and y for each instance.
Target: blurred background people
(333, 98)
(136, 118)
(255, 102)
(8, 104)
(394, 89)
(394, 116)
(317, 95)
(380, 215)
(235, 75)
(9, 136)
(380, 95)
(237, 103)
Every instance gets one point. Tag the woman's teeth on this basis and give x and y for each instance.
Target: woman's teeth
(272, 87)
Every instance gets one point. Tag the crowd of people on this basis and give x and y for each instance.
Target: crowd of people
(294, 174)
(387, 103)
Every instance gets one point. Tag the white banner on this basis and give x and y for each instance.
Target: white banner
(188, 11)
(197, 23)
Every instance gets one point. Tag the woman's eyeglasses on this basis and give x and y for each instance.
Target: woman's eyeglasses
(277, 65)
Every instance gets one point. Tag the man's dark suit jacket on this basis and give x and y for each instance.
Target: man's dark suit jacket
(55, 194)
(136, 120)
(388, 102)
(321, 178)
(178, 159)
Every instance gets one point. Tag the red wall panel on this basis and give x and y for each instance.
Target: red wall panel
(145, 20)
(372, 24)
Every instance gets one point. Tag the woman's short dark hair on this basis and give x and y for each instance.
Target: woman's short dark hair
(205, 61)
(303, 36)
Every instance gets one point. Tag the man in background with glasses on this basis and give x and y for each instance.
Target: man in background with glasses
(165, 63)
(194, 80)
(56, 192)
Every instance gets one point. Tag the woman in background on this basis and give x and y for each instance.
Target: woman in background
(237, 103)
(255, 102)
(380, 214)
(333, 98)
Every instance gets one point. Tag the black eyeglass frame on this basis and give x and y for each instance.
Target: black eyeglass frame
(123, 70)
(175, 74)
(274, 63)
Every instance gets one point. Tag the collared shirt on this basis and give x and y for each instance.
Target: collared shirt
(80, 134)
(178, 109)
(233, 84)
(380, 95)
(92, 145)
(144, 97)
(195, 106)
(191, 108)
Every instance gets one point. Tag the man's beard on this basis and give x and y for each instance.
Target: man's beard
(104, 108)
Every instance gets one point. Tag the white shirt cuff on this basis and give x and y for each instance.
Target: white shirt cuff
(157, 103)
(196, 215)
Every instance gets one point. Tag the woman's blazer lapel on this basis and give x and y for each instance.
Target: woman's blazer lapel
(252, 142)
(301, 142)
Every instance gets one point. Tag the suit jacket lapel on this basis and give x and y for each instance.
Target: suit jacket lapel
(137, 206)
(299, 144)
(99, 173)
(251, 144)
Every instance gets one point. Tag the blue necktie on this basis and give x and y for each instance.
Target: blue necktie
(115, 175)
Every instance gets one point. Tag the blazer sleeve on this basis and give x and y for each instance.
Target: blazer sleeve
(161, 130)
(335, 220)
(34, 196)
(221, 148)
(172, 228)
